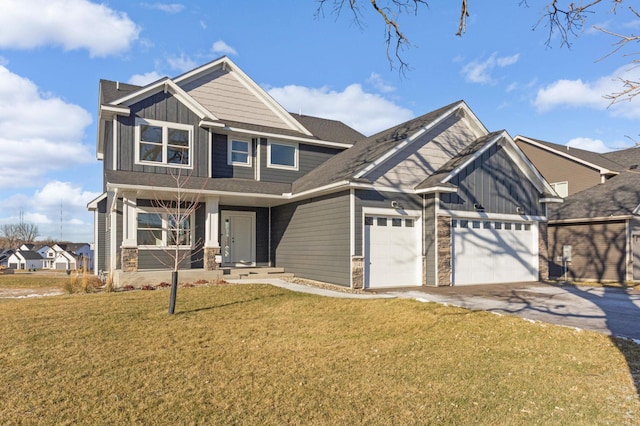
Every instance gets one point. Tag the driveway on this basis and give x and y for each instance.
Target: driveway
(609, 310)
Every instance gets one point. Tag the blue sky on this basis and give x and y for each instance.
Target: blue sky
(54, 52)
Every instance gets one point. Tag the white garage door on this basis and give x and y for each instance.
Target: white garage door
(392, 252)
(486, 252)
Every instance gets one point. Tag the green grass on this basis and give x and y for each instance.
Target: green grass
(33, 280)
(254, 354)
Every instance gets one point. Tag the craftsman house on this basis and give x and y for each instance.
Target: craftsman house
(438, 200)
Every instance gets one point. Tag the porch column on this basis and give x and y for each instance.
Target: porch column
(211, 233)
(129, 235)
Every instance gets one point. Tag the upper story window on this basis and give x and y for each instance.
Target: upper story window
(561, 188)
(163, 143)
(282, 155)
(239, 152)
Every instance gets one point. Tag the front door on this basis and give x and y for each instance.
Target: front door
(238, 238)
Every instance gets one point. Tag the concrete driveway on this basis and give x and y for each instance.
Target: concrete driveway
(609, 310)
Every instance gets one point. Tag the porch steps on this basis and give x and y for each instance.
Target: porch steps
(254, 273)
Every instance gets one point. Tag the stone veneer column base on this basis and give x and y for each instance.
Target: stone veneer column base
(444, 251)
(129, 259)
(357, 272)
(543, 251)
(210, 254)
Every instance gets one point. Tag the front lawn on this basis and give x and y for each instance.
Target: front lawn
(34, 280)
(255, 354)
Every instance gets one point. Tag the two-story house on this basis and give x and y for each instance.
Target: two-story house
(438, 200)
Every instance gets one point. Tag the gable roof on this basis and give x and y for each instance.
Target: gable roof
(591, 159)
(440, 179)
(618, 196)
(329, 130)
(626, 157)
(348, 164)
(29, 255)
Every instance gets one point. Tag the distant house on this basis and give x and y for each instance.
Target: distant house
(57, 257)
(25, 259)
(4, 257)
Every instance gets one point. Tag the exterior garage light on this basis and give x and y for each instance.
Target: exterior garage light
(478, 207)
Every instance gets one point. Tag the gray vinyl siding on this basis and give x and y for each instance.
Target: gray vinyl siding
(262, 229)
(370, 198)
(311, 238)
(220, 167)
(496, 183)
(162, 107)
(102, 243)
(430, 248)
(162, 259)
(108, 148)
(309, 157)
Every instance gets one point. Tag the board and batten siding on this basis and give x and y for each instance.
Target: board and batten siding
(220, 167)
(598, 250)
(428, 153)
(222, 93)
(497, 184)
(370, 198)
(555, 168)
(311, 238)
(309, 157)
(161, 107)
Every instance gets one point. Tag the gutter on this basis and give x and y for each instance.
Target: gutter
(592, 219)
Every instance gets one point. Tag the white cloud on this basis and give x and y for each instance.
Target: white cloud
(165, 7)
(595, 145)
(38, 133)
(220, 47)
(50, 205)
(72, 24)
(366, 112)
(182, 63)
(378, 82)
(480, 72)
(144, 79)
(590, 94)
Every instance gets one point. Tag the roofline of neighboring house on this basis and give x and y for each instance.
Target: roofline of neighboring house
(601, 170)
(592, 219)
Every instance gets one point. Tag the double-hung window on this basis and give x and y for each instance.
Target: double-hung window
(163, 143)
(239, 152)
(282, 155)
(161, 229)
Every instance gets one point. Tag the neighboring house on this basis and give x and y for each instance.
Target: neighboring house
(568, 170)
(438, 200)
(25, 259)
(57, 257)
(27, 247)
(595, 233)
(83, 254)
(42, 250)
(4, 257)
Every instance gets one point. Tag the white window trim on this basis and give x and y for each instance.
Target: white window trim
(165, 229)
(165, 125)
(281, 166)
(230, 162)
(564, 182)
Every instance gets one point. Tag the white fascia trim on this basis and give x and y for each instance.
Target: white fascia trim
(93, 204)
(490, 216)
(115, 110)
(602, 170)
(406, 142)
(195, 73)
(636, 210)
(167, 190)
(473, 158)
(523, 162)
(167, 85)
(474, 119)
(436, 189)
(592, 219)
(327, 188)
(210, 124)
(551, 200)
(285, 137)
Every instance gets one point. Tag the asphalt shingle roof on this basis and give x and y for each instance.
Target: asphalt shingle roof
(346, 164)
(329, 130)
(626, 157)
(618, 196)
(595, 158)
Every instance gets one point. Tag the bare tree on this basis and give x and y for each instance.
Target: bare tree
(564, 18)
(10, 234)
(177, 215)
(27, 232)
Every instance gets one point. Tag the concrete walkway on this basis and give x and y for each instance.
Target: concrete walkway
(608, 310)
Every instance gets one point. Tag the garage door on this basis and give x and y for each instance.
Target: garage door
(392, 252)
(486, 252)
